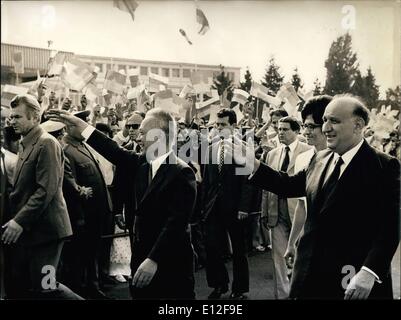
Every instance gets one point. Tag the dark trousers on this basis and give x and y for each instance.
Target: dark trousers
(31, 272)
(216, 228)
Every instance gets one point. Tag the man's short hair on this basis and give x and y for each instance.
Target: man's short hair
(165, 119)
(315, 107)
(294, 124)
(360, 109)
(33, 107)
(278, 113)
(225, 112)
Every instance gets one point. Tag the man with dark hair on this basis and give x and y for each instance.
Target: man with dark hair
(277, 212)
(39, 218)
(353, 194)
(222, 192)
(162, 260)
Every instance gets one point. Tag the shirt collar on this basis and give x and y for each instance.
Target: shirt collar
(158, 162)
(292, 145)
(349, 155)
(32, 135)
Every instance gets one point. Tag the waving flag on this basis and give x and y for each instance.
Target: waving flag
(8, 92)
(18, 61)
(261, 92)
(56, 66)
(201, 19)
(240, 96)
(133, 75)
(115, 82)
(156, 81)
(76, 74)
(202, 80)
(128, 6)
(186, 90)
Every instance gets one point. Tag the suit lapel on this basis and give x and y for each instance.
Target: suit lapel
(24, 157)
(161, 178)
(347, 180)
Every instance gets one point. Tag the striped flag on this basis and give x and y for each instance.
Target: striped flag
(18, 61)
(201, 19)
(156, 81)
(92, 92)
(128, 6)
(201, 80)
(115, 82)
(214, 98)
(76, 74)
(240, 96)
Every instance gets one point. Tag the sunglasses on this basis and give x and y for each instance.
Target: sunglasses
(132, 126)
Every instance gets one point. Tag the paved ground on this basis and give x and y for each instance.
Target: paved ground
(261, 283)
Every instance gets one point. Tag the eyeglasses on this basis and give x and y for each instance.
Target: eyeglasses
(311, 126)
(132, 126)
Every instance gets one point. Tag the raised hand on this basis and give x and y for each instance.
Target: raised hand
(75, 125)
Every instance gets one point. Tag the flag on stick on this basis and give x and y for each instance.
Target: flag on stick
(56, 66)
(186, 90)
(201, 80)
(133, 75)
(240, 96)
(9, 92)
(18, 61)
(155, 81)
(76, 74)
(128, 6)
(115, 82)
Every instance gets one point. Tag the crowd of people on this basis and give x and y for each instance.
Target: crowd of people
(115, 195)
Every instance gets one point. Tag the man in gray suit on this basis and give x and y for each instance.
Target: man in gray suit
(278, 212)
(39, 218)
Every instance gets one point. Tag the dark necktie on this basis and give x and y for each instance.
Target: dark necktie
(221, 160)
(333, 178)
(286, 160)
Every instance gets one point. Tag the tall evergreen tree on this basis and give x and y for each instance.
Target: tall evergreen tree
(221, 82)
(371, 95)
(247, 84)
(296, 80)
(342, 66)
(317, 90)
(273, 80)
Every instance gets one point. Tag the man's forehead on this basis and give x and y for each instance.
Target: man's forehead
(340, 107)
(284, 125)
(309, 119)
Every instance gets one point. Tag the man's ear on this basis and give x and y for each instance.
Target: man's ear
(359, 123)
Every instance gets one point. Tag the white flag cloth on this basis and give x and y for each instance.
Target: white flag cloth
(240, 96)
(115, 82)
(156, 81)
(133, 75)
(76, 74)
(202, 80)
(186, 90)
(9, 92)
(239, 113)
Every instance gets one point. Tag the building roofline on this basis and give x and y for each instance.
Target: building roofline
(187, 64)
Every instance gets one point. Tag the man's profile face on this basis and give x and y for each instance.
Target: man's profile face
(21, 122)
(150, 133)
(224, 128)
(313, 131)
(339, 126)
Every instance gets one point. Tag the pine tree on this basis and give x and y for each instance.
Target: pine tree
(371, 95)
(247, 84)
(318, 90)
(358, 85)
(221, 82)
(296, 80)
(342, 66)
(273, 79)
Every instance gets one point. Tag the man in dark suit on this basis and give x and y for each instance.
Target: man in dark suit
(222, 193)
(39, 218)
(352, 226)
(86, 245)
(162, 255)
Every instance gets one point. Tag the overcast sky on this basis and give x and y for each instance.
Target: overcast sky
(242, 33)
